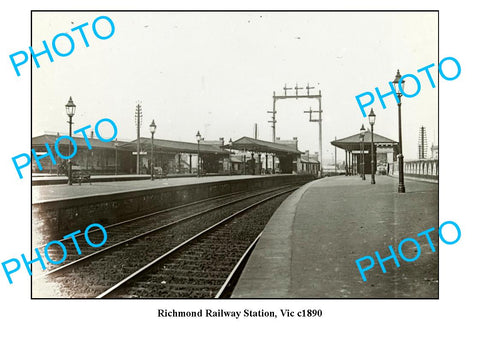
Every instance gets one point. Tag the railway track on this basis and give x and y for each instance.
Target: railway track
(135, 227)
(132, 246)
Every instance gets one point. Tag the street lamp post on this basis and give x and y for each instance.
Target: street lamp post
(371, 119)
(70, 108)
(396, 81)
(153, 127)
(362, 136)
(199, 137)
(116, 146)
(230, 154)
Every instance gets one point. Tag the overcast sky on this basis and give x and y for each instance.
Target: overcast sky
(216, 73)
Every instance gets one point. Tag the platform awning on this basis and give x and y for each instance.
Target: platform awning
(261, 146)
(171, 146)
(353, 142)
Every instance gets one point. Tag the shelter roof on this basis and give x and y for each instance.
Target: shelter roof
(308, 159)
(257, 145)
(353, 142)
(94, 142)
(182, 147)
(162, 144)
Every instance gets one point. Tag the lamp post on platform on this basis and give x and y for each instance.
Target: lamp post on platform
(70, 108)
(362, 136)
(116, 146)
(230, 154)
(199, 137)
(399, 90)
(371, 119)
(153, 127)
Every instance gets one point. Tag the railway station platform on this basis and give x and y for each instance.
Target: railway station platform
(309, 247)
(42, 193)
(58, 210)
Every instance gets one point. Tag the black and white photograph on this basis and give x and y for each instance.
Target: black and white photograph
(220, 155)
(255, 169)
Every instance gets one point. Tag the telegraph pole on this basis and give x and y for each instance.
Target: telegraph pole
(138, 122)
(273, 121)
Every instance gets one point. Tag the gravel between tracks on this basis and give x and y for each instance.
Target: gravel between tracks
(200, 269)
(93, 277)
(122, 232)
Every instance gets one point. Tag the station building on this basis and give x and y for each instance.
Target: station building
(385, 152)
(244, 156)
(118, 157)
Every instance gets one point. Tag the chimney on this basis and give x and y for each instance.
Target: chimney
(296, 142)
(91, 134)
(222, 140)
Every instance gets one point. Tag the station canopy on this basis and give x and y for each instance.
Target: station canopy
(171, 146)
(40, 141)
(261, 146)
(353, 142)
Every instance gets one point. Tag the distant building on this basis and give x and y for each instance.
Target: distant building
(173, 157)
(385, 152)
(434, 149)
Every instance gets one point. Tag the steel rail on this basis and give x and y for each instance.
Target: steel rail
(235, 269)
(133, 238)
(157, 213)
(183, 244)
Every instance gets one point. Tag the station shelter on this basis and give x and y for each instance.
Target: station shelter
(385, 152)
(309, 163)
(259, 156)
(176, 157)
(120, 157)
(100, 158)
(244, 156)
